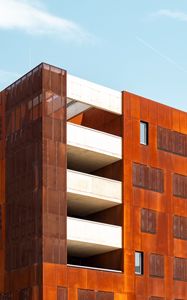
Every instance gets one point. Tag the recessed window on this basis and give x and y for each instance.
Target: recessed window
(143, 133)
(139, 263)
(148, 220)
(156, 265)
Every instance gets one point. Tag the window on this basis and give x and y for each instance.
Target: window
(92, 295)
(180, 227)
(180, 269)
(148, 221)
(143, 133)
(148, 178)
(139, 263)
(180, 186)
(156, 298)
(62, 293)
(156, 265)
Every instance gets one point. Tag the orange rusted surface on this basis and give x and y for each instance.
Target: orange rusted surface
(41, 279)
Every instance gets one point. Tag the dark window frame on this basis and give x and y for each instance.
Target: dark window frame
(141, 255)
(144, 133)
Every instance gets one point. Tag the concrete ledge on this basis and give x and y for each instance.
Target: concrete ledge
(94, 94)
(90, 149)
(86, 238)
(89, 194)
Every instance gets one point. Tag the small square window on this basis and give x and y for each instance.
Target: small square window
(139, 263)
(143, 133)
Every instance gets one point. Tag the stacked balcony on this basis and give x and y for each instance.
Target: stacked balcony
(92, 200)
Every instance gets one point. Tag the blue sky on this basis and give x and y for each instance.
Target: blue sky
(139, 46)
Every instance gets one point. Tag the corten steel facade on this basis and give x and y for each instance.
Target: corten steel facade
(39, 258)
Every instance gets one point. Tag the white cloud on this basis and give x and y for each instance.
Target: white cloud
(31, 17)
(178, 15)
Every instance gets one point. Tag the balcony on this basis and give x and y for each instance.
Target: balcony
(93, 95)
(89, 194)
(87, 238)
(89, 149)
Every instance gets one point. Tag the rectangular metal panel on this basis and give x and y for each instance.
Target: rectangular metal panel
(6, 296)
(172, 141)
(94, 295)
(1, 223)
(177, 227)
(180, 269)
(104, 296)
(183, 228)
(144, 220)
(86, 295)
(23, 163)
(151, 221)
(62, 293)
(35, 166)
(156, 298)
(54, 165)
(148, 178)
(180, 185)
(148, 220)
(25, 294)
(156, 265)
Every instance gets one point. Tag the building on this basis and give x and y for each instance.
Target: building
(93, 192)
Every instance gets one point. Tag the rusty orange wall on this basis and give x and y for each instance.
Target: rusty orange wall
(75, 278)
(165, 204)
(127, 285)
(81, 278)
(100, 120)
(32, 154)
(2, 192)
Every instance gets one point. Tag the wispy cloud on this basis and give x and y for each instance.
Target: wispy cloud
(178, 15)
(7, 76)
(162, 55)
(32, 18)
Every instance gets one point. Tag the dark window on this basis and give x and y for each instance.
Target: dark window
(143, 133)
(148, 178)
(86, 294)
(180, 269)
(156, 298)
(94, 295)
(138, 263)
(180, 227)
(148, 220)
(156, 265)
(104, 296)
(172, 141)
(180, 185)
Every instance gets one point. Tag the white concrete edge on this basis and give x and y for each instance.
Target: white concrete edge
(94, 268)
(94, 94)
(95, 222)
(95, 130)
(99, 196)
(101, 151)
(95, 176)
